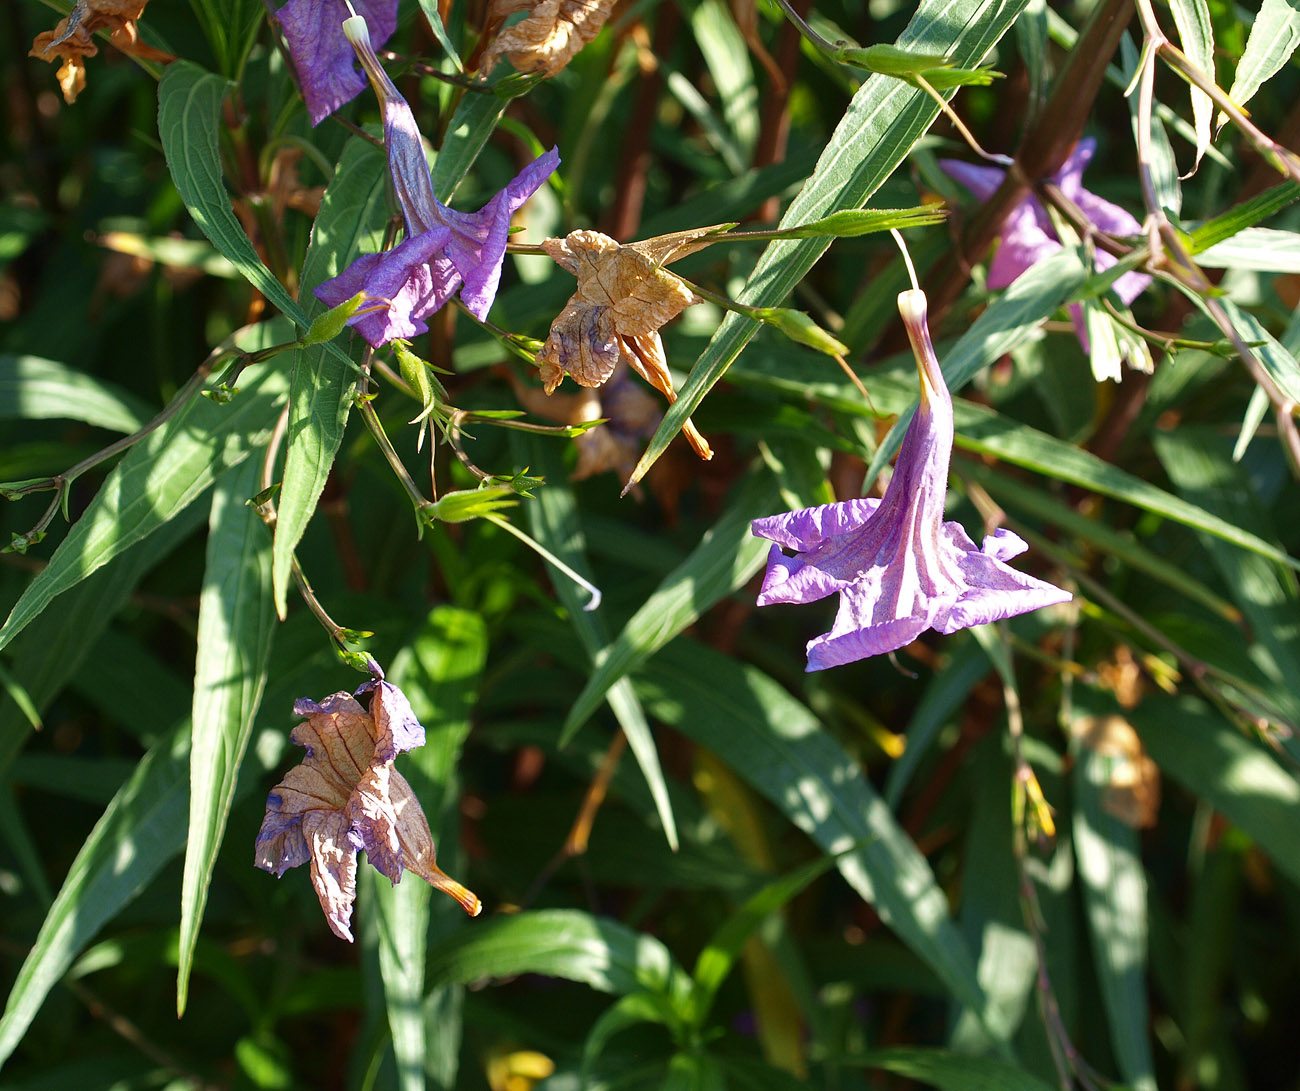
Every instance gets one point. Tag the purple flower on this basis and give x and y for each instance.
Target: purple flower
(898, 567)
(1027, 233)
(346, 796)
(327, 69)
(445, 250)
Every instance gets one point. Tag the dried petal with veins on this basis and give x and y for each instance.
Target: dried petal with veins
(550, 36)
(624, 295)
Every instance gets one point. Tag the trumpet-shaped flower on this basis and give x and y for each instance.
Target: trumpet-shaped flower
(346, 796)
(327, 69)
(1027, 233)
(898, 566)
(445, 251)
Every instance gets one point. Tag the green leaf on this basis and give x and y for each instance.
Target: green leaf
(235, 625)
(727, 556)
(473, 122)
(1273, 39)
(1260, 248)
(1235, 775)
(138, 833)
(1247, 214)
(159, 478)
(727, 57)
(35, 389)
(565, 943)
(189, 119)
(62, 644)
(1192, 18)
(1115, 902)
(440, 675)
(719, 954)
(880, 126)
(1198, 460)
(778, 746)
(430, 9)
(949, 1071)
(555, 523)
(323, 387)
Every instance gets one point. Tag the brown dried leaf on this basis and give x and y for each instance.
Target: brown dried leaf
(72, 42)
(549, 37)
(1133, 794)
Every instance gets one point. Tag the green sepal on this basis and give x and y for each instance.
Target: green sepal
(327, 326)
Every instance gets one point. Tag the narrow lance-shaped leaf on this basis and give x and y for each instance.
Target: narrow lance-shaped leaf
(778, 746)
(726, 558)
(1192, 18)
(553, 517)
(1273, 38)
(440, 675)
(35, 389)
(161, 476)
(323, 387)
(880, 126)
(235, 626)
(1115, 899)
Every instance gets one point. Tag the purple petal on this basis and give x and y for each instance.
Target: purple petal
(1024, 244)
(280, 843)
(396, 728)
(478, 244)
(1108, 217)
(1004, 544)
(333, 868)
(402, 286)
(808, 528)
(1070, 176)
(981, 181)
(325, 62)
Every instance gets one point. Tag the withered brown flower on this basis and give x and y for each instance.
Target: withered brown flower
(624, 296)
(550, 36)
(72, 39)
(346, 796)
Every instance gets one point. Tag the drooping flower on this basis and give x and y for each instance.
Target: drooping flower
(346, 796)
(72, 40)
(899, 568)
(327, 68)
(624, 295)
(1027, 233)
(445, 251)
(550, 35)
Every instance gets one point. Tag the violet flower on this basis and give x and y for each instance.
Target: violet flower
(327, 68)
(346, 796)
(898, 567)
(1027, 233)
(445, 250)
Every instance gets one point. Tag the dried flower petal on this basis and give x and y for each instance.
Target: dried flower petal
(550, 36)
(345, 797)
(623, 296)
(71, 39)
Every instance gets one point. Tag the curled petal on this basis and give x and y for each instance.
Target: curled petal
(326, 65)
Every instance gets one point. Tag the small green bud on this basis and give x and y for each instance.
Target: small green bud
(799, 327)
(327, 326)
(465, 504)
(222, 395)
(419, 377)
(20, 543)
(16, 490)
(889, 60)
